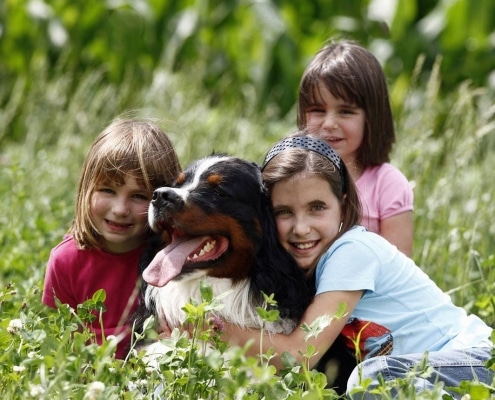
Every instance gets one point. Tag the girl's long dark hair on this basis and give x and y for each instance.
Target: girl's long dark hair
(352, 73)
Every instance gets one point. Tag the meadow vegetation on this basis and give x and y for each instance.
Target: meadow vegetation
(444, 147)
(223, 76)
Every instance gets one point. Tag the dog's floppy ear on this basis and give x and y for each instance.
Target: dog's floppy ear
(276, 271)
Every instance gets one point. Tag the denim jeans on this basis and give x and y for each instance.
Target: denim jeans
(450, 367)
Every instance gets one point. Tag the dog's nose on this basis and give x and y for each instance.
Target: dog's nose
(163, 196)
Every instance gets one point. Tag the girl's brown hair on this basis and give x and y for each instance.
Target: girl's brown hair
(293, 161)
(350, 72)
(127, 147)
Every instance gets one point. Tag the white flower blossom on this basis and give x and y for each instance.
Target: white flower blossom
(149, 370)
(95, 389)
(18, 368)
(36, 390)
(14, 326)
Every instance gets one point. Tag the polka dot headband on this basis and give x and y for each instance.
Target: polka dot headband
(304, 142)
(307, 143)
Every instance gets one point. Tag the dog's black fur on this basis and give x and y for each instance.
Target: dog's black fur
(223, 196)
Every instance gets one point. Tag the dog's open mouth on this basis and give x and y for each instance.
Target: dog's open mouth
(184, 252)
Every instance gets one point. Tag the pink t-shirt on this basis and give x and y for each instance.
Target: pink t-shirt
(74, 275)
(384, 192)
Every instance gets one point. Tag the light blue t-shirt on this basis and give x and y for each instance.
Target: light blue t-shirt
(402, 310)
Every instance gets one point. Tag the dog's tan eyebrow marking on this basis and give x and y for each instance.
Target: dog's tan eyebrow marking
(181, 178)
(197, 174)
(214, 179)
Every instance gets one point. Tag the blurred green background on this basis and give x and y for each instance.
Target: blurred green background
(248, 52)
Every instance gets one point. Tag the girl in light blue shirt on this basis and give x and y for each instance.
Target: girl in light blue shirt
(396, 315)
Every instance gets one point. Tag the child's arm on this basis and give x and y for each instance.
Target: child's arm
(398, 230)
(323, 304)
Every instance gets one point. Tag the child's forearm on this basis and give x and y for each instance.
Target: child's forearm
(262, 342)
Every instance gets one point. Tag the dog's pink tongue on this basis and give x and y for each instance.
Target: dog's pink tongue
(168, 262)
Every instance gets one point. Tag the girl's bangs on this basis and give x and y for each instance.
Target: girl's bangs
(336, 86)
(117, 166)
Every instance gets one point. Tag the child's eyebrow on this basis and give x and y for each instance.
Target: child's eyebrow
(317, 202)
(279, 207)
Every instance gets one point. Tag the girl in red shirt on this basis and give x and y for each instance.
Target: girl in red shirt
(125, 164)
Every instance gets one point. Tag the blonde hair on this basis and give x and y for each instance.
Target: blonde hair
(127, 147)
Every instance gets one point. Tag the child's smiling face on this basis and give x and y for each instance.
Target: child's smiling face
(120, 214)
(338, 123)
(308, 216)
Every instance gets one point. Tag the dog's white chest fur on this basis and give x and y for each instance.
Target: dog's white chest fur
(238, 308)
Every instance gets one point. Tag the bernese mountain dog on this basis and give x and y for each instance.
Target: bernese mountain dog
(222, 231)
(219, 225)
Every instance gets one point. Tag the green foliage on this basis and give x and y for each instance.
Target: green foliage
(50, 354)
(250, 52)
(449, 172)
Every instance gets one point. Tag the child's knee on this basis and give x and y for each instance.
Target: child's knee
(365, 375)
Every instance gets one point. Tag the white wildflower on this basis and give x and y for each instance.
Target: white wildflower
(14, 326)
(132, 386)
(149, 370)
(95, 388)
(18, 368)
(36, 390)
(112, 340)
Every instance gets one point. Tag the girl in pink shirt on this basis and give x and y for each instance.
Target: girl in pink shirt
(343, 98)
(125, 164)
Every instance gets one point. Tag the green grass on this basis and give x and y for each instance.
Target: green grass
(444, 147)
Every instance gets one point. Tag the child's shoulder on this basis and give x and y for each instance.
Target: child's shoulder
(359, 240)
(67, 247)
(383, 171)
(356, 236)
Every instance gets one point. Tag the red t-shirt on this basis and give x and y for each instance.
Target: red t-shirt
(74, 275)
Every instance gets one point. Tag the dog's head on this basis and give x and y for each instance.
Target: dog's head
(213, 215)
